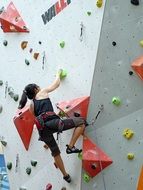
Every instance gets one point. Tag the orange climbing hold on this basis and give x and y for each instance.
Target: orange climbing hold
(137, 65)
(11, 20)
(78, 105)
(140, 182)
(94, 160)
(24, 122)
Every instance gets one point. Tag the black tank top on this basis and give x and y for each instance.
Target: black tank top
(43, 105)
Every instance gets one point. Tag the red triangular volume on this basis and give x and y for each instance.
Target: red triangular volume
(11, 20)
(78, 105)
(137, 65)
(24, 122)
(94, 160)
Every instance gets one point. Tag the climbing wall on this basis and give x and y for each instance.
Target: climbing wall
(118, 87)
(36, 39)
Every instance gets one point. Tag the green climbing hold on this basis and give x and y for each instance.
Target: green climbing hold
(86, 178)
(16, 97)
(9, 165)
(33, 163)
(80, 155)
(28, 170)
(116, 101)
(1, 82)
(141, 43)
(88, 13)
(62, 44)
(5, 42)
(63, 74)
(27, 62)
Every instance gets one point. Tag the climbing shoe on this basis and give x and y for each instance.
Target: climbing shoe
(72, 150)
(67, 178)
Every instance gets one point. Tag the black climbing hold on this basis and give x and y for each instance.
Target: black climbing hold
(28, 170)
(4, 143)
(131, 73)
(40, 42)
(9, 165)
(135, 2)
(33, 163)
(76, 114)
(114, 43)
(5, 42)
(93, 166)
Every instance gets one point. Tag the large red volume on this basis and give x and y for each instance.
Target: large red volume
(137, 65)
(94, 160)
(78, 105)
(24, 122)
(11, 20)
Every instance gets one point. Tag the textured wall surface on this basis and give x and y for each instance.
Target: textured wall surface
(77, 57)
(122, 23)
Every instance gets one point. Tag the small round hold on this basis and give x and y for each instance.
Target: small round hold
(1, 82)
(131, 73)
(27, 62)
(40, 42)
(16, 97)
(114, 43)
(93, 166)
(9, 165)
(5, 42)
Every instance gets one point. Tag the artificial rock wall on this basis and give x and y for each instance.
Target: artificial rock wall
(119, 45)
(45, 30)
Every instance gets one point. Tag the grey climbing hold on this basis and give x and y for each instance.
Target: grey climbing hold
(4, 143)
(27, 62)
(63, 188)
(16, 97)
(22, 188)
(1, 108)
(5, 42)
(28, 170)
(1, 10)
(1, 82)
(135, 2)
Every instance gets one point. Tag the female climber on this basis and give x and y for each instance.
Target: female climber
(48, 122)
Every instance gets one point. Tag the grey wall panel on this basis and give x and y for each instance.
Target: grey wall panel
(122, 23)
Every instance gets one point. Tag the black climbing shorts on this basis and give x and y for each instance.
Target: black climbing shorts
(58, 125)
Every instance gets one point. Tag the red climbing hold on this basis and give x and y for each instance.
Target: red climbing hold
(94, 160)
(49, 186)
(137, 65)
(78, 105)
(24, 122)
(11, 20)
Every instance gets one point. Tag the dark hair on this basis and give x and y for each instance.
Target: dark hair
(28, 92)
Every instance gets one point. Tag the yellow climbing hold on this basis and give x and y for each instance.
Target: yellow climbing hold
(128, 133)
(141, 43)
(99, 3)
(130, 156)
